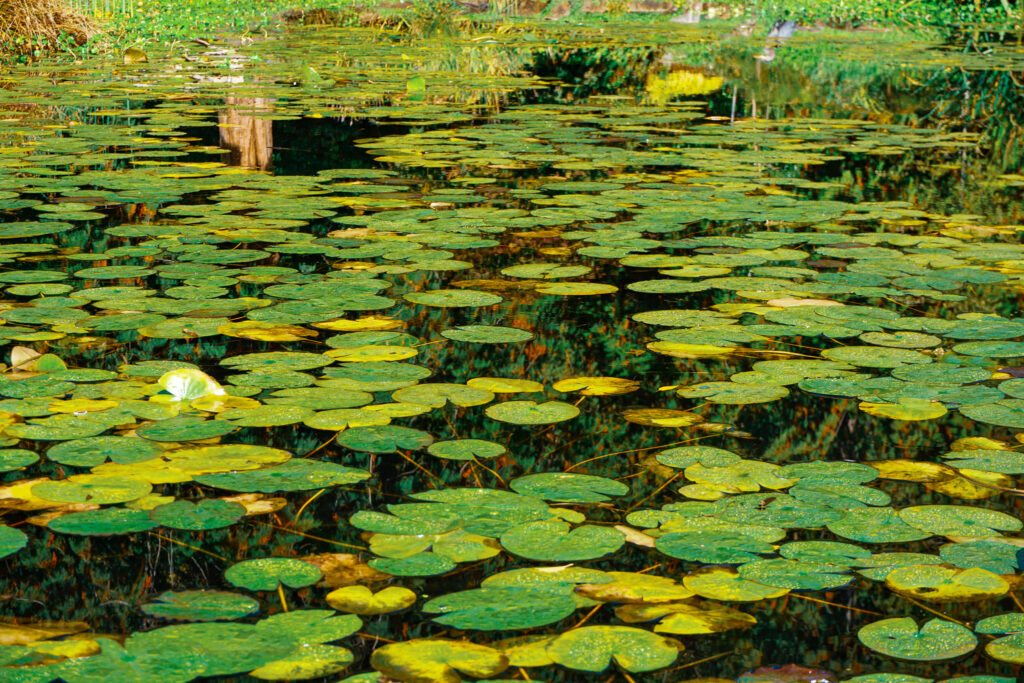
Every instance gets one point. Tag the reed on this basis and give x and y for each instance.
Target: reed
(43, 22)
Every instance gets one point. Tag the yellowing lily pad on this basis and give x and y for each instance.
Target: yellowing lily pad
(438, 660)
(943, 584)
(361, 600)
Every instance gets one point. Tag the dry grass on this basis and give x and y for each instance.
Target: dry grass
(43, 22)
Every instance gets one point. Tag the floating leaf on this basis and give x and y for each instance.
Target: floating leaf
(502, 608)
(596, 386)
(942, 584)
(566, 487)
(453, 298)
(532, 413)
(184, 429)
(210, 513)
(308, 661)
(720, 583)
(92, 488)
(265, 574)
(11, 540)
(552, 541)
(937, 639)
(384, 439)
(204, 605)
(593, 648)
(686, 619)
(294, 475)
(959, 520)
(189, 384)
(465, 449)
(361, 600)
(103, 522)
(437, 660)
(487, 334)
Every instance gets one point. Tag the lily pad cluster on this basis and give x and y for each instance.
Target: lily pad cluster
(397, 354)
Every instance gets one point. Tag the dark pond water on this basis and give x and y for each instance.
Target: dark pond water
(641, 352)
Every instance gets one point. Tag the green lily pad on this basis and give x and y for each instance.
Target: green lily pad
(733, 393)
(593, 648)
(420, 564)
(875, 356)
(134, 663)
(265, 416)
(184, 429)
(210, 513)
(552, 541)
(92, 488)
(712, 547)
(487, 334)
(384, 439)
(11, 540)
(58, 428)
(97, 450)
(202, 605)
(465, 449)
(1009, 649)
(105, 522)
(265, 574)
(12, 459)
(685, 456)
(438, 395)
(531, 412)
(959, 520)
(294, 475)
(219, 648)
(277, 361)
(544, 271)
(937, 639)
(437, 660)
(991, 349)
(566, 487)
(1005, 413)
(876, 525)
(795, 574)
(500, 609)
(987, 553)
(453, 298)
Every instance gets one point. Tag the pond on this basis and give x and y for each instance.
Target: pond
(634, 351)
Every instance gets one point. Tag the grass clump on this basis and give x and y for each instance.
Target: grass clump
(30, 28)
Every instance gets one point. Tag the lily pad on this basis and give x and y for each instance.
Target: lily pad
(361, 600)
(265, 574)
(593, 648)
(210, 513)
(453, 298)
(531, 412)
(504, 608)
(465, 449)
(11, 540)
(567, 487)
(937, 639)
(552, 541)
(437, 660)
(203, 605)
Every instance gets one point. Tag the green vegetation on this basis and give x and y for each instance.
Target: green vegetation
(86, 27)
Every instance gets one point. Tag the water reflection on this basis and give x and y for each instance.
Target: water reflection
(249, 138)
